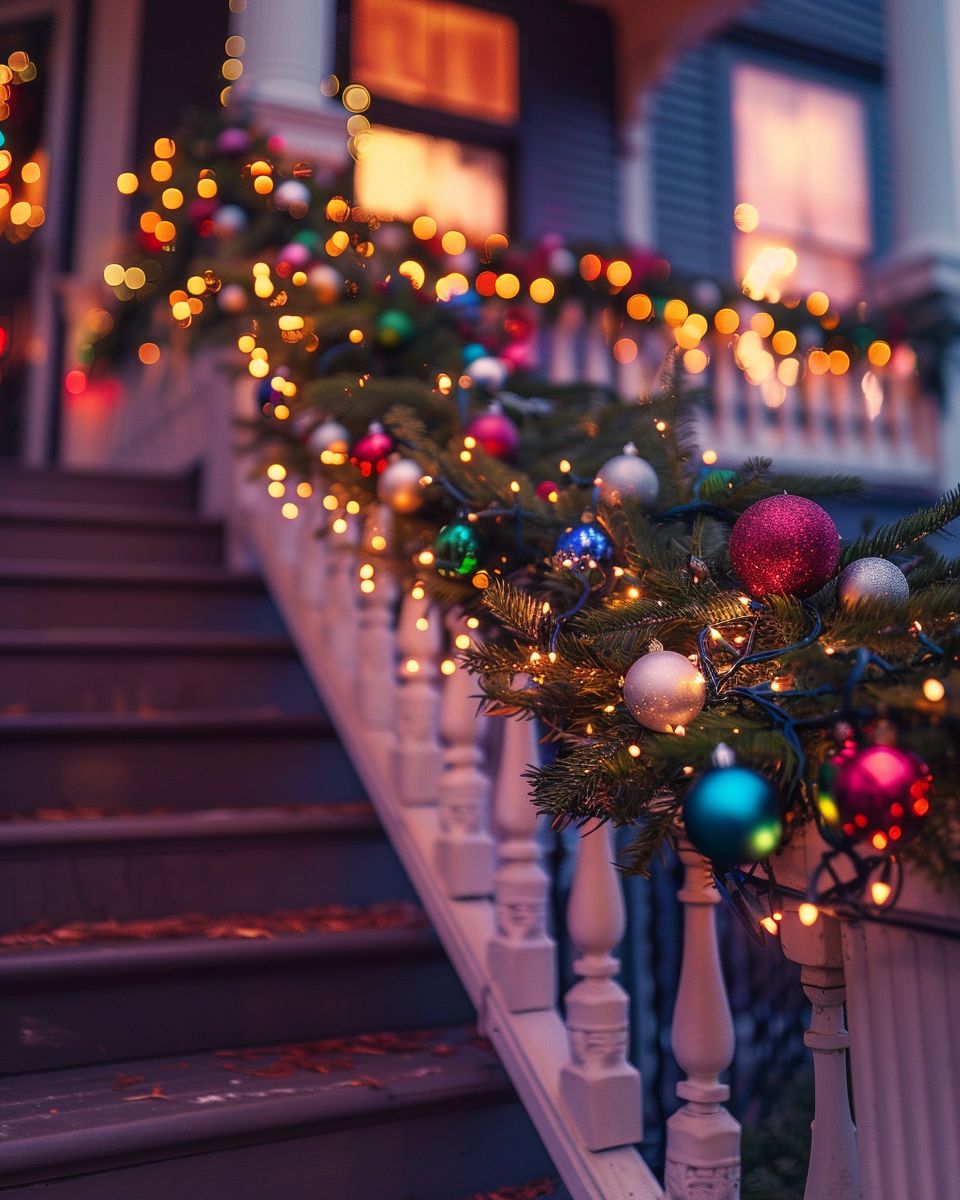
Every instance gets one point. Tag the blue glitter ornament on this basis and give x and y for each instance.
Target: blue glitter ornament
(733, 815)
(581, 543)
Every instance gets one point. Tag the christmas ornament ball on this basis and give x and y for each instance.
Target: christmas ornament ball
(664, 689)
(394, 328)
(399, 486)
(292, 195)
(375, 444)
(489, 372)
(584, 543)
(295, 255)
(880, 793)
(547, 488)
(784, 545)
(471, 352)
(228, 220)
(456, 550)
(233, 140)
(627, 476)
(872, 579)
(329, 436)
(326, 281)
(495, 434)
(732, 815)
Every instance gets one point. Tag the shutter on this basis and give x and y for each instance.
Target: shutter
(849, 28)
(567, 163)
(691, 165)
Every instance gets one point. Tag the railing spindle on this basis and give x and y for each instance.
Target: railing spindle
(342, 593)
(378, 660)
(703, 1139)
(464, 849)
(599, 1087)
(522, 956)
(419, 760)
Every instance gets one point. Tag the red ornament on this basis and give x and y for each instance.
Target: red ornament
(547, 489)
(880, 793)
(496, 434)
(784, 545)
(372, 449)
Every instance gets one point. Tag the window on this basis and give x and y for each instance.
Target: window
(800, 161)
(402, 174)
(442, 58)
(436, 55)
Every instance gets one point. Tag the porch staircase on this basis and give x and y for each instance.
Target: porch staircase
(214, 977)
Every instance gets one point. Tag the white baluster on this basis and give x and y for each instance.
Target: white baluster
(287, 537)
(521, 955)
(703, 1139)
(342, 593)
(834, 1172)
(562, 365)
(419, 638)
(464, 849)
(599, 1088)
(598, 359)
(378, 653)
(315, 559)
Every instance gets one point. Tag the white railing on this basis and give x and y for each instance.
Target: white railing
(876, 422)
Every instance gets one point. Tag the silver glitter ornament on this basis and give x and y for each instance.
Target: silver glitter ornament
(399, 486)
(329, 436)
(627, 477)
(872, 579)
(663, 690)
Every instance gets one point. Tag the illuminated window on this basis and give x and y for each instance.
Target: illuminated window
(437, 55)
(800, 161)
(402, 174)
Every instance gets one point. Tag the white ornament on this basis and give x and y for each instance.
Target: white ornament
(326, 281)
(399, 486)
(872, 579)
(232, 298)
(489, 372)
(664, 690)
(627, 476)
(228, 220)
(292, 196)
(329, 435)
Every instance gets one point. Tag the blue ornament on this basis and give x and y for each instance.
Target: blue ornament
(583, 542)
(732, 815)
(472, 351)
(265, 392)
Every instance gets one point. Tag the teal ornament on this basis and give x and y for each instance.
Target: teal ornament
(732, 815)
(582, 543)
(395, 328)
(714, 483)
(472, 351)
(456, 550)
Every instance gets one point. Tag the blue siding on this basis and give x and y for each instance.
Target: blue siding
(567, 160)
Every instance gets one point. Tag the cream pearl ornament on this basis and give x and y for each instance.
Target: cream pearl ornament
(627, 476)
(329, 435)
(663, 690)
(399, 486)
(871, 580)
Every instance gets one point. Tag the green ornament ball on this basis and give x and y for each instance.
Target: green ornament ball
(732, 815)
(456, 550)
(716, 482)
(395, 328)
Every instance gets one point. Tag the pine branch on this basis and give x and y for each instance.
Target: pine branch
(893, 538)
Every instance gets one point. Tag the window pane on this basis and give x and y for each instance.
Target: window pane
(800, 160)
(437, 55)
(401, 174)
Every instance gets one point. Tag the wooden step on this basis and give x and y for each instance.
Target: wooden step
(130, 670)
(58, 595)
(92, 533)
(123, 490)
(428, 1115)
(67, 867)
(65, 1005)
(184, 760)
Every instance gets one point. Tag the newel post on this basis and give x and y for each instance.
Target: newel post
(703, 1139)
(599, 1087)
(378, 659)
(834, 1169)
(464, 849)
(521, 955)
(419, 638)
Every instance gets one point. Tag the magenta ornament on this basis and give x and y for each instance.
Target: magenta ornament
(784, 545)
(495, 434)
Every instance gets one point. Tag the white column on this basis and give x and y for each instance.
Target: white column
(378, 647)
(833, 1172)
(289, 50)
(636, 181)
(419, 637)
(599, 1087)
(341, 625)
(522, 956)
(703, 1139)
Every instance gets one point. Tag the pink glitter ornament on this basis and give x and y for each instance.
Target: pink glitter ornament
(881, 793)
(374, 446)
(495, 434)
(784, 545)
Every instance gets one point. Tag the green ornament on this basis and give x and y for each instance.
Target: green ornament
(395, 328)
(715, 483)
(456, 550)
(309, 238)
